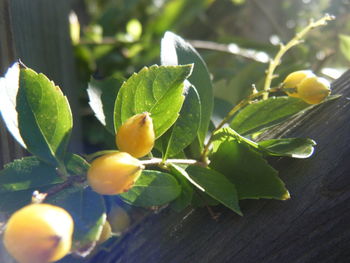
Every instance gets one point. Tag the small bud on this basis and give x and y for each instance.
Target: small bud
(291, 82)
(136, 136)
(114, 173)
(314, 90)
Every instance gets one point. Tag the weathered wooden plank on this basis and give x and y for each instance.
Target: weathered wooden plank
(313, 226)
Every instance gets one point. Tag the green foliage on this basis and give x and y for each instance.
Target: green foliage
(102, 95)
(175, 51)
(185, 197)
(216, 165)
(153, 188)
(266, 113)
(44, 116)
(246, 168)
(215, 185)
(157, 90)
(88, 212)
(290, 147)
(184, 131)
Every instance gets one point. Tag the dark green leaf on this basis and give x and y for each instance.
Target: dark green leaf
(345, 45)
(27, 173)
(185, 128)
(266, 113)
(291, 147)
(102, 95)
(157, 90)
(185, 197)
(44, 117)
(12, 201)
(153, 188)
(8, 92)
(88, 212)
(176, 51)
(253, 177)
(216, 185)
(76, 164)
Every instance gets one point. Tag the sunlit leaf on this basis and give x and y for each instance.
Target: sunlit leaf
(44, 116)
(215, 185)
(176, 51)
(245, 167)
(153, 188)
(157, 90)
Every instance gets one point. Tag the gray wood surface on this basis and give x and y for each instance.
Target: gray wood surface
(313, 226)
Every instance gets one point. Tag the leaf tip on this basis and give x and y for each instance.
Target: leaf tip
(286, 195)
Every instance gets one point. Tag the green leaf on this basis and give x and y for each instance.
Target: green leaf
(88, 212)
(12, 201)
(157, 90)
(290, 147)
(216, 185)
(27, 173)
(8, 93)
(185, 128)
(266, 113)
(102, 95)
(44, 116)
(185, 197)
(253, 177)
(345, 45)
(76, 164)
(153, 188)
(176, 51)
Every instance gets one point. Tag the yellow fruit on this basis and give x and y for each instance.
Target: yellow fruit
(118, 219)
(291, 82)
(106, 233)
(136, 136)
(114, 173)
(39, 233)
(314, 90)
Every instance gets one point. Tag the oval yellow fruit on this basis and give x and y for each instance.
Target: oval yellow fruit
(114, 173)
(39, 233)
(314, 90)
(291, 82)
(136, 136)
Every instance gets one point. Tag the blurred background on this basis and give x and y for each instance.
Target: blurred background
(235, 37)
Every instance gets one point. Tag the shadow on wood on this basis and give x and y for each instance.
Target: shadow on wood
(313, 226)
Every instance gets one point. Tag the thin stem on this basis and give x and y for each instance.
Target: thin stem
(235, 109)
(284, 48)
(157, 161)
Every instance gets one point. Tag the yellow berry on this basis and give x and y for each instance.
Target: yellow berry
(314, 90)
(136, 136)
(106, 233)
(119, 219)
(291, 82)
(114, 173)
(39, 233)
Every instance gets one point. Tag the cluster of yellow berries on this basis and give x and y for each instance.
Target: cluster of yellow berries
(115, 173)
(42, 233)
(307, 86)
